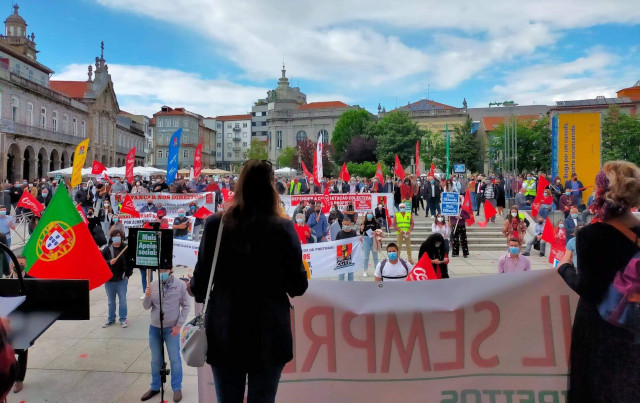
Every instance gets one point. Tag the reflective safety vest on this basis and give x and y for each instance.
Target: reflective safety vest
(294, 189)
(527, 184)
(403, 222)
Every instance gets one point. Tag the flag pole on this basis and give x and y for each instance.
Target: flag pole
(448, 141)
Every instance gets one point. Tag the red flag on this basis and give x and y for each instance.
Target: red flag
(423, 270)
(557, 252)
(489, 211)
(398, 170)
(227, 195)
(542, 185)
(432, 171)
(379, 173)
(344, 173)
(547, 233)
(418, 158)
(197, 161)
(202, 213)
(81, 212)
(128, 207)
(305, 171)
(131, 159)
(467, 206)
(28, 201)
(326, 203)
(97, 168)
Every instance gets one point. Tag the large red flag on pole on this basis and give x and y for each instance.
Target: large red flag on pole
(542, 185)
(97, 168)
(466, 206)
(305, 171)
(432, 171)
(131, 159)
(547, 232)
(379, 173)
(398, 170)
(489, 212)
(423, 270)
(418, 158)
(28, 201)
(197, 161)
(344, 173)
(128, 207)
(317, 161)
(202, 213)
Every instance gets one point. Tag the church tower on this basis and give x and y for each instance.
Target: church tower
(15, 35)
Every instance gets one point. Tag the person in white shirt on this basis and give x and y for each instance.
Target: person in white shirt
(393, 268)
(441, 226)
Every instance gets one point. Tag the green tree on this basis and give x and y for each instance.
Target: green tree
(351, 123)
(258, 151)
(433, 150)
(465, 147)
(620, 136)
(287, 157)
(534, 146)
(397, 134)
(365, 169)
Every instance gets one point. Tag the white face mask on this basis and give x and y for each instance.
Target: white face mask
(441, 219)
(514, 214)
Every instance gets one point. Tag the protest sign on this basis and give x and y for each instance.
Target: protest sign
(329, 259)
(146, 248)
(170, 201)
(185, 253)
(450, 204)
(494, 338)
(362, 202)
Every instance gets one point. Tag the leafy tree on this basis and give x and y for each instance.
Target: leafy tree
(433, 149)
(465, 147)
(365, 169)
(258, 150)
(534, 146)
(287, 157)
(620, 136)
(305, 151)
(397, 134)
(351, 123)
(361, 149)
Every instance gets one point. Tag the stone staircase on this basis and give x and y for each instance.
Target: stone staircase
(489, 238)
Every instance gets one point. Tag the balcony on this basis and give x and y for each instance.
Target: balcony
(237, 148)
(48, 92)
(37, 133)
(236, 139)
(236, 128)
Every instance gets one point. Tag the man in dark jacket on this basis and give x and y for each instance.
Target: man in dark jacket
(431, 193)
(576, 188)
(45, 197)
(117, 285)
(84, 197)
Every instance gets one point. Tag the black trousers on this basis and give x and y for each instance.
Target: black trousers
(22, 364)
(460, 239)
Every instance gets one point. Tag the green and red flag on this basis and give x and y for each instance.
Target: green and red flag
(61, 246)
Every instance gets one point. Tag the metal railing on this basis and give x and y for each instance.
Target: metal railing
(35, 132)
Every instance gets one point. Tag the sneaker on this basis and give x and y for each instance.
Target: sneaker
(124, 324)
(142, 297)
(108, 324)
(365, 274)
(525, 254)
(541, 254)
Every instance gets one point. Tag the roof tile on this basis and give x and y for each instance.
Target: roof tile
(72, 89)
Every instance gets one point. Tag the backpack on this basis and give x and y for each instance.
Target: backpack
(621, 303)
(402, 261)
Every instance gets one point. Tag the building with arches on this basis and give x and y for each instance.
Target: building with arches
(284, 118)
(39, 127)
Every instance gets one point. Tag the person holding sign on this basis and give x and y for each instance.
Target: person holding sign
(117, 285)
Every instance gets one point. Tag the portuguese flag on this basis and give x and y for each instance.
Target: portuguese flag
(61, 246)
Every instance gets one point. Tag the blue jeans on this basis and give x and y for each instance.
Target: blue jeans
(349, 277)
(230, 383)
(119, 288)
(367, 244)
(182, 237)
(173, 349)
(474, 200)
(143, 274)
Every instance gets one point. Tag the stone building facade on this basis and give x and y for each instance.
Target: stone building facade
(233, 139)
(39, 127)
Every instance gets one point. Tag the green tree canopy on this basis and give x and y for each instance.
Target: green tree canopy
(365, 169)
(433, 150)
(258, 151)
(620, 136)
(397, 134)
(287, 157)
(351, 123)
(465, 147)
(534, 146)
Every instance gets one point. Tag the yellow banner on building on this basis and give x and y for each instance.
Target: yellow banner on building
(579, 141)
(79, 157)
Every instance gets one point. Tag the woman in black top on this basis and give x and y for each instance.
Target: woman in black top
(434, 247)
(369, 223)
(248, 321)
(605, 360)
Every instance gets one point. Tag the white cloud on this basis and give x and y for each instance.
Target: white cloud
(144, 89)
(357, 43)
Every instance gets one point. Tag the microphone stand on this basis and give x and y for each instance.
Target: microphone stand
(163, 368)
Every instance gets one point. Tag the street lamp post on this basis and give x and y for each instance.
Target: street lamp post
(448, 140)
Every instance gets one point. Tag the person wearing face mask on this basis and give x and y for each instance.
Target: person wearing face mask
(403, 224)
(572, 222)
(302, 229)
(280, 186)
(560, 235)
(514, 226)
(7, 223)
(104, 216)
(121, 272)
(115, 224)
(295, 188)
(149, 207)
(566, 203)
(84, 198)
(406, 192)
(353, 185)
(576, 187)
(197, 225)
(310, 210)
(367, 230)
(318, 224)
(455, 185)
(181, 226)
(434, 247)
(442, 227)
(489, 194)
(531, 187)
(335, 215)
(557, 190)
(521, 200)
(117, 187)
(537, 238)
(513, 261)
(431, 192)
(347, 231)
(393, 268)
(382, 217)
(139, 188)
(388, 186)
(176, 304)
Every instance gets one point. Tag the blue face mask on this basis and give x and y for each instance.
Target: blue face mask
(574, 215)
(299, 220)
(402, 209)
(116, 239)
(392, 255)
(164, 276)
(432, 182)
(514, 250)
(369, 216)
(181, 215)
